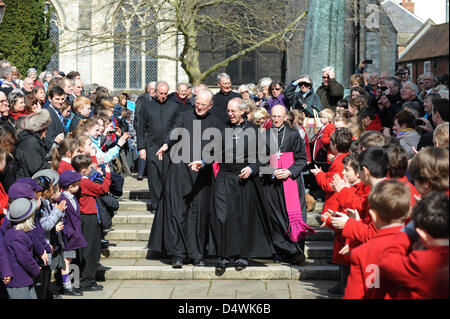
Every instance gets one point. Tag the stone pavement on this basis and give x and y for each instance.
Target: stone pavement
(211, 289)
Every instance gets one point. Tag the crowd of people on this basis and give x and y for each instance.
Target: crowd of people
(377, 158)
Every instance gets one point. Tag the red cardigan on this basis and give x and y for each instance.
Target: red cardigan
(88, 191)
(324, 179)
(326, 139)
(421, 273)
(4, 199)
(334, 203)
(364, 269)
(64, 166)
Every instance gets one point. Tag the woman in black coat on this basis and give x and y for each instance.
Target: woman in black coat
(30, 153)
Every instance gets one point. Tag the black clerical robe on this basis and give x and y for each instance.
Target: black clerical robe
(238, 226)
(220, 104)
(288, 140)
(154, 124)
(181, 223)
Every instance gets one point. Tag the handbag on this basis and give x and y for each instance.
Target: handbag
(312, 124)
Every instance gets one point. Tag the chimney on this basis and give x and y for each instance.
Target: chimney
(408, 5)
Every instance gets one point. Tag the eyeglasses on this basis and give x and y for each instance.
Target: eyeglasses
(304, 84)
(325, 77)
(276, 89)
(244, 92)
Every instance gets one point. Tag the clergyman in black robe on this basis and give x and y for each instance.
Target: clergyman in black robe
(154, 124)
(181, 223)
(287, 140)
(221, 98)
(239, 230)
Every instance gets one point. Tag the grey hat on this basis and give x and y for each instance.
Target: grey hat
(21, 209)
(51, 174)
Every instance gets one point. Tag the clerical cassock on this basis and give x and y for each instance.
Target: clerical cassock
(239, 229)
(282, 141)
(154, 124)
(220, 103)
(181, 223)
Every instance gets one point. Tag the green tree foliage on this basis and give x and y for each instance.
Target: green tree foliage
(25, 35)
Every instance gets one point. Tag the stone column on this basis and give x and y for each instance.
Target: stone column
(349, 42)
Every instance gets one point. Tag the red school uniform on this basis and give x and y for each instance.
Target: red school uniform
(326, 139)
(365, 231)
(364, 272)
(340, 241)
(421, 273)
(64, 165)
(88, 191)
(4, 199)
(324, 179)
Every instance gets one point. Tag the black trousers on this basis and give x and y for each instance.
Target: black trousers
(90, 255)
(42, 283)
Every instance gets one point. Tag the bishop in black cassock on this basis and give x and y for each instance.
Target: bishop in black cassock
(154, 124)
(180, 227)
(239, 230)
(287, 140)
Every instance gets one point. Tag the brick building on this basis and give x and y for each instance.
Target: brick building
(427, 51)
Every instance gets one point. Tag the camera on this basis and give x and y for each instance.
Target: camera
(368, 61)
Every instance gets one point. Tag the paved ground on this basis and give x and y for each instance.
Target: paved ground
(211, 289)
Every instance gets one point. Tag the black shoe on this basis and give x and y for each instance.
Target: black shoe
(92, 288)
(298, 259)
(104, 244)
(177, 262)
(277, 259)
(71, 292)
(221, 265)
(336, 290)
(140, 178)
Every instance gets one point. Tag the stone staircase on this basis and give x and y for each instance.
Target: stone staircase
(126, 257)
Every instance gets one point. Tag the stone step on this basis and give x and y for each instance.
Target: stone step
(138, 248)
(135, 194)
(139, 220)
(143, 269)
(140, 216)
(133, 205)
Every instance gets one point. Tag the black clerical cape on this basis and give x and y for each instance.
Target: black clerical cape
(180, 226)
(288, 140)
(238, 225)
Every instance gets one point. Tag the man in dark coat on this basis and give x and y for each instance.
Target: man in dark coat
(287, 140)
(56, 96)
(155, 122)
(181, 223)
(330, 92)
(142, 101)
(239, 228)
(221, 98)
(181, 97)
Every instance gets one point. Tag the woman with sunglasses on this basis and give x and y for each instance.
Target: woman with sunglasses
(305, 99)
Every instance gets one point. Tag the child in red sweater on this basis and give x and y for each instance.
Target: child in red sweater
(63, 154)
(90, 255)
(340, 142)
(420, 273)
(327, 118)
(351, 176)
(389, 206)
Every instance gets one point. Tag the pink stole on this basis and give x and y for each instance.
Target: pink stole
(298, 229)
